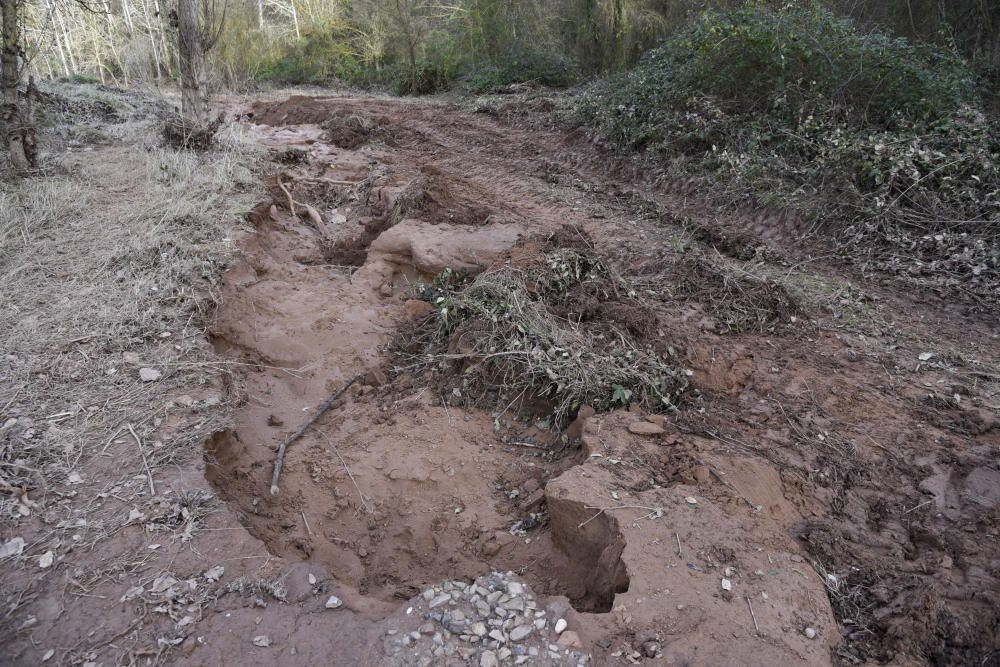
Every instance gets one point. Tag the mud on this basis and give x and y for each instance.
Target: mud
(808, 504)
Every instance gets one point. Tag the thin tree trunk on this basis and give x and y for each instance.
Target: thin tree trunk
(55, 35)
(191, 53)
(295, 19)
(152, 40)
(20, 134)
(61, 24)
(260, 15)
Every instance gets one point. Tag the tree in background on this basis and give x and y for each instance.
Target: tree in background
(20, 133)
(199, 24)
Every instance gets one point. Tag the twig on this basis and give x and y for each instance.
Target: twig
(680, 553)
(528, 444)
(752, 615)
(320, 179)
(602, 510)
(914, 509)
(291, 202)
(142, 452)
(280, 458)
(306, 521)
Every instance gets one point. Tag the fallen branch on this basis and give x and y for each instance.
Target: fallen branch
(313, 214)
(145, 463)
(280, 458)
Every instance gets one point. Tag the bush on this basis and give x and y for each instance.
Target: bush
(545, 68)
(320, 56)
(876, 137)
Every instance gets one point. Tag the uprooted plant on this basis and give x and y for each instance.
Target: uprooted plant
(502, 332)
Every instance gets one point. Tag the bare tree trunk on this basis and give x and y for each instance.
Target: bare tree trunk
(191, 53)
(152, 40)
(260, 15)
(20, 134)
(55, 35)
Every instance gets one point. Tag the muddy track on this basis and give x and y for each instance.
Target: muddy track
(824, 494)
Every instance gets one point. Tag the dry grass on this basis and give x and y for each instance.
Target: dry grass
(109, 263)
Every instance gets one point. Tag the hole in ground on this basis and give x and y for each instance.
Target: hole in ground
(422, 503)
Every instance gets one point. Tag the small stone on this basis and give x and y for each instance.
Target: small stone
(440, 600)
(561, 625)
(215, 573)
(333, 602)
(488, 659)
(149, 374)
(262, 641)
(520, 632)
(691, 500)
(498, 635)
(514, 588)
(796, 558)
(479, 629)
(650, 648)
(644, 428)
(415, 636)
(727, 585)
(46, 559)
(427, 628)
(569, 639)
(428, 594)
(810, 633)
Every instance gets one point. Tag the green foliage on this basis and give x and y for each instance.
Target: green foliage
(322, 55)
(875, 137)
(542, 67)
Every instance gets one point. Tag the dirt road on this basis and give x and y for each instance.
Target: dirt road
(826, 490)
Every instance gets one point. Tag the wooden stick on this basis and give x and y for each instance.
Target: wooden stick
(291, 202)
(752, 615)
(145, 463)
(280, 458)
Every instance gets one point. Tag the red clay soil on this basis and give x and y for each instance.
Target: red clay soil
(828, 492)
(846, 490)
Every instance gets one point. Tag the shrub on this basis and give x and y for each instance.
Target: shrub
(876, 137)
(521, 66)
(320, 56)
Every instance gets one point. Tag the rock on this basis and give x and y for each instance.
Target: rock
(514, 588)
(215, 573)
(520, 632)
(440, 600)
(149, 374)
(418, 310)
(561, 625)
(810, 633)
(46, 559)
(262, 640)
(644, 428)
(479, 629)
(333, 602)
(488, 659)
(498, 635)
(727, 585)
(569, 639)
(650, 648)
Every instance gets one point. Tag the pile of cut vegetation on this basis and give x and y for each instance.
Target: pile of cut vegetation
(879, 140)
(526, 332)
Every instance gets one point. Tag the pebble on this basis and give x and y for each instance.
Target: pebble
(333, 602)
(644, 428)
(491, 621)
(439, 600)
(810, 633)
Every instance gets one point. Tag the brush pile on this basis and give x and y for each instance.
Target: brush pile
(509, 334)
